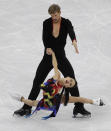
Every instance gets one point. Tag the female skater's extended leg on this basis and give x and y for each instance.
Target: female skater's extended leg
(98, 101)
(73, 99)
(29, 102)
(80, 99)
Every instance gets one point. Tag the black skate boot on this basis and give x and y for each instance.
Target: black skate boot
(22, 112)
(79, 108)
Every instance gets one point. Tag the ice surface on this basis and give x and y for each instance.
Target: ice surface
(21, 50)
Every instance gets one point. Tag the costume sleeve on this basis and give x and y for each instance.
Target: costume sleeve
(71, 30)
(45, 35)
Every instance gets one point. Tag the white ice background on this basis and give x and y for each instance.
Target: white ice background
(21, 50)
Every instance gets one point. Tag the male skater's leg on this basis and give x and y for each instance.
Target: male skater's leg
(67, 70)
(43, 69)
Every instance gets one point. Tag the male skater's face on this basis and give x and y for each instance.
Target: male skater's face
(56, 17)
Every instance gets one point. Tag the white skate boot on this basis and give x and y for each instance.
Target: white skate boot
(98, 102)
(16, 96)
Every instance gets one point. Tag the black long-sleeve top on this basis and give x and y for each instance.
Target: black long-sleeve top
(57, 44)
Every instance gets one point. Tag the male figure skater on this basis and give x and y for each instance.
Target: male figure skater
(55, 31)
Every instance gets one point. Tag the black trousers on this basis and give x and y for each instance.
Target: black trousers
(44, 68)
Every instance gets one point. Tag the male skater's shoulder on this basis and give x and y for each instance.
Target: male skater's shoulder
(70, 29)
(67, 22)
(47, 21)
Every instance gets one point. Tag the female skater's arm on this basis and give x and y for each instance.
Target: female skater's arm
(55, 65)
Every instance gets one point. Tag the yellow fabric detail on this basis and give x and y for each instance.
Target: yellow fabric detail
(53, 91)
(49, 97)
(48, 101)
(42, 85)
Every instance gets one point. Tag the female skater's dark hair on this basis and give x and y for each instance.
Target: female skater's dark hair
(66, 96)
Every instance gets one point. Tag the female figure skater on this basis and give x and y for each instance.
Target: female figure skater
(52, 98)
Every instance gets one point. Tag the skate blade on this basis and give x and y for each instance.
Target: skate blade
(17, 115)
(81, 116)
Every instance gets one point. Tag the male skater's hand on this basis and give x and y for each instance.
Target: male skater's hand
(48, 51)
(74, 43)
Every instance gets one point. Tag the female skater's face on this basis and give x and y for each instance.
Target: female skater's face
(56, 17)
(69, 82)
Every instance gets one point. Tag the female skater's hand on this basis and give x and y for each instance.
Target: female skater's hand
(49, 51)
(75, 46)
